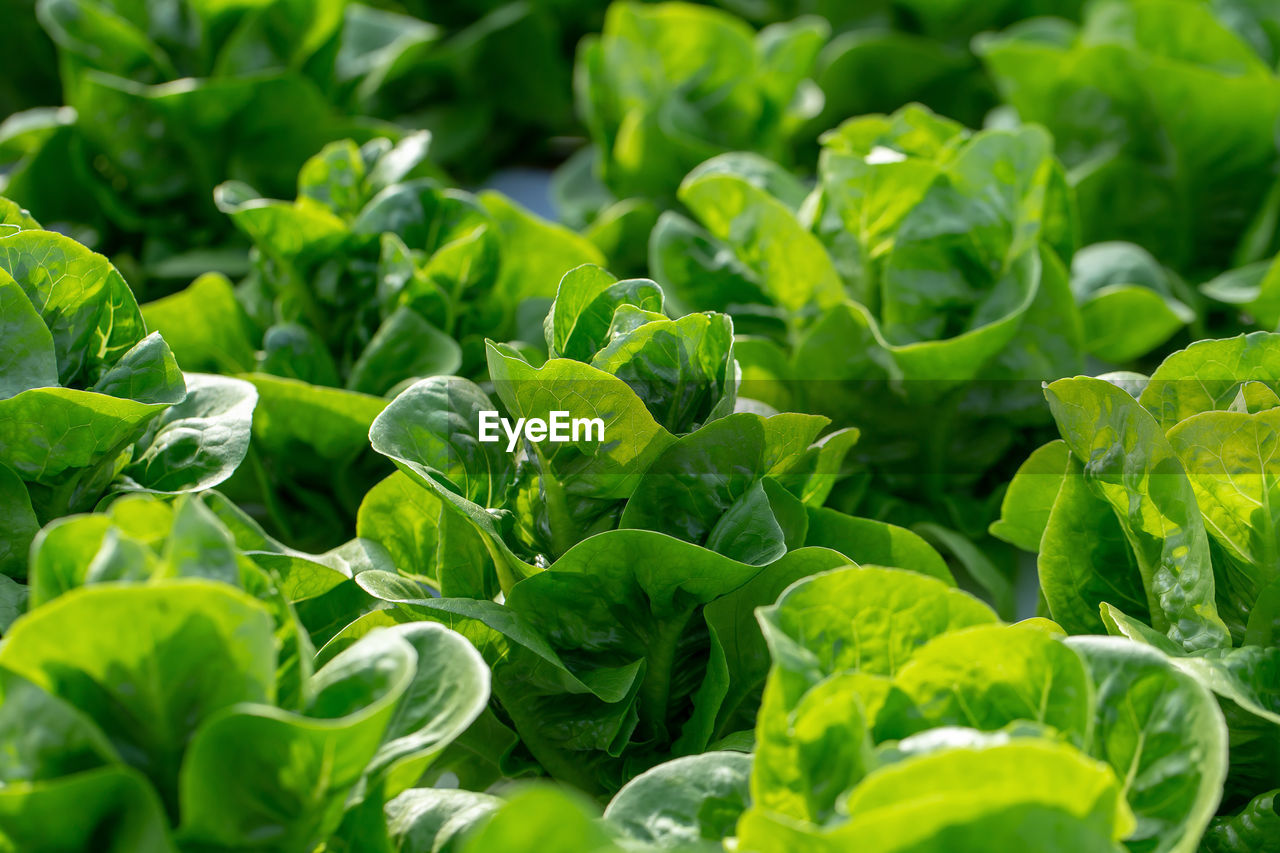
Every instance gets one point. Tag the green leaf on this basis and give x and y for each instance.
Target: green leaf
(332, 423)
(866, 195)
(83, 301)
(1255, 828)
(47, 432)
(1231, 460)
(45, 738)
(294, 351)
(867, 619)
(1129, 463)
(183, 651)
(738, 658)
(1086, 560)
(1122, 322)
(115, 808)
(14, 599)
(199, 442)
(20, 524)
(694, 270)
(437, 819)
(540, 252)
(875, 543)
(198, 545)
(627, 596)
(431, 432)
(27, 357)
(987, 677)
(1164, 735)
(14, 217)
(577, 326)
(1263, 628)
(750, 530)
(335, 178)
(974, 799)
(405, 347)
(1254, 287)
(62, 554)
(688, 803)
(1254, 397)
(788, 262)
(682, 369)
(1207, 375)
(810, 749)
(426, 539)
(932, 289)
(569, 723)
(632, 437)
(706, 487)
(435, 425)
(1127, 301)
(147, 373)
(283, 230)
(427, 719)
(1028, 504)
(542, 820)
(1171, 70)
(1245, 679)
(288, 789)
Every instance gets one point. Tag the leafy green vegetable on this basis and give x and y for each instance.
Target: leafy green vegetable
(669, 85)
(904, 283)
(1163, 110)
(204, 724)
(1161, 524)
(859, 714)
(366, 282)
(92, 405)
(663, 391)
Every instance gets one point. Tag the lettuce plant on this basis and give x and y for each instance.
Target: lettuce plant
(91, 405)
(666, 659)
(665, 391)
(1129, 303)
(905, 282)
(164, 105)
(374, 276)
(205, 724)
(665, 86)
(1152, 520)
(885, 683)
(1164, 113)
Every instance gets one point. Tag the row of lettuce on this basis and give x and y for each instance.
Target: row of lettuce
(714, 168)
(588, 611)
(1162, 109)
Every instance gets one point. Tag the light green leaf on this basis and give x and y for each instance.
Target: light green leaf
(199, 442)
(1129, 463)
(1028, 504)
(183, 651)
(1164, 735)
(688, 803)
